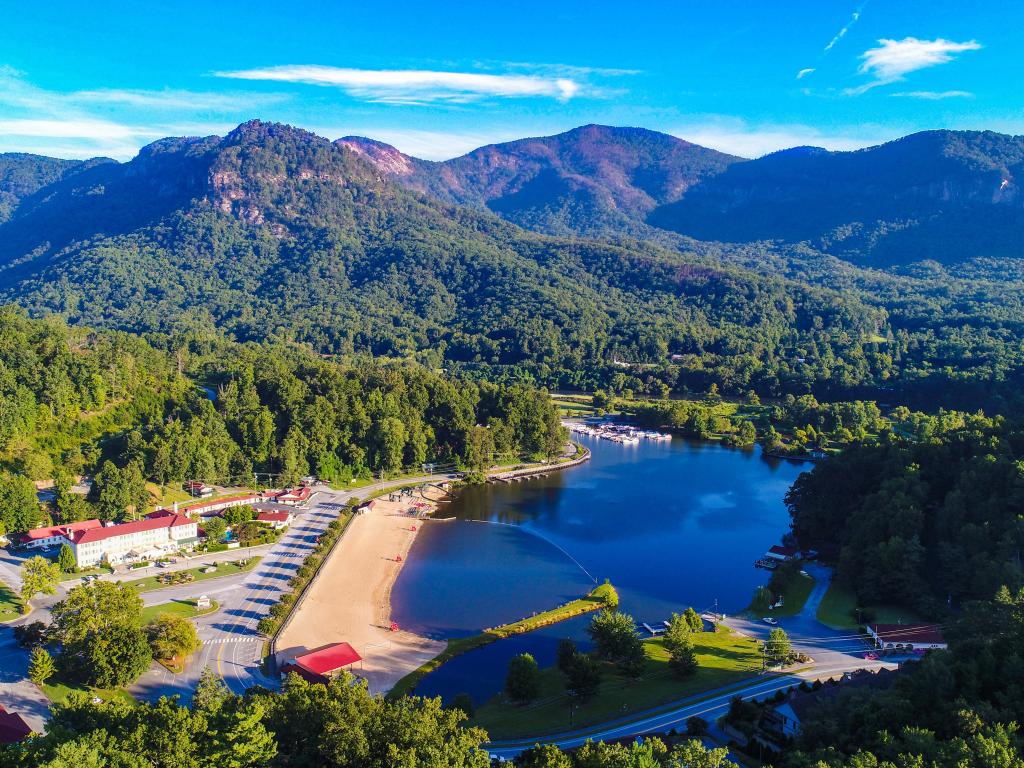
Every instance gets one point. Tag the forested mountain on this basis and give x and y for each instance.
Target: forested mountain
(943, 195)
(22, 175)
(272, 232)
(594, 179)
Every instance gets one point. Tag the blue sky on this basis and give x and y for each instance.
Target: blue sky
(438, 79)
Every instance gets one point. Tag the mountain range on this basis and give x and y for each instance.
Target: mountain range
(567, 259)
(942, 195)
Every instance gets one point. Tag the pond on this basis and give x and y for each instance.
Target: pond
(670, 524)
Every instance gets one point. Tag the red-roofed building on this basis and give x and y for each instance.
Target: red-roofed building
(275, 519)
(13, 727)
(54, 535)
(137, 540)
(216, 506)
(782, 553)
(294, 496)
(907, 637)
(320, 665)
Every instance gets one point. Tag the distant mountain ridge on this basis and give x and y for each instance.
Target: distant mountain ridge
(943, 195)
(591, 180)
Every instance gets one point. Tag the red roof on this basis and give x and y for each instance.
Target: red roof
(784, 551)
(328, 659)
(920, 634)
(136, 526)
(36, 534)
(274, 517)
(13, 727)
(239, 498)
(299, 494)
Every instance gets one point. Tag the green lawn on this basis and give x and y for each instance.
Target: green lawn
(10, 604)
(837, 610)
(85, 572)
(184, 608)
(793, 598)
(724, 657)
(57, 692)
(223, 569)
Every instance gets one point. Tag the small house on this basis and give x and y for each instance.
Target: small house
(275, 519)
(782, 554)
(908, 638)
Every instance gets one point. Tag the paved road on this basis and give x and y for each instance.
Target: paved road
(231, 645)
(834, 652)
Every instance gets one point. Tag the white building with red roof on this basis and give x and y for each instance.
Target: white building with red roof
(294, 496)
(55, 535)
(276, 519)
(137, 540)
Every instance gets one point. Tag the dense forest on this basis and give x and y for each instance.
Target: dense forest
(933, 524)
(131, 410)
(274, 233)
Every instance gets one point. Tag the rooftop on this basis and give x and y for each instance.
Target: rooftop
(328, 659)
(13, 727)
(59, 530)
(136, 526)
(924, 634)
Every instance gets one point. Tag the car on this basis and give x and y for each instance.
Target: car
(770, 620)
(871, 656)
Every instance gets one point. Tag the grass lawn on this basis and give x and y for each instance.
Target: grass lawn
(837, 610)
(165, 495)
(10, 604)
(184, 608)
(724, 658)
(223, 569)
(793, 599)
(57, 692)
(85, 572)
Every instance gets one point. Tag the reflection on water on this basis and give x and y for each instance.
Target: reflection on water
(670, 524)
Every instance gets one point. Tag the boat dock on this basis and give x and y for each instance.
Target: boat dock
(616, 433)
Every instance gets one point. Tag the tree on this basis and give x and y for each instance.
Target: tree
(777, 648)
(19, 506)
(38, 576)
(693, 754)
(614, 635)
(522, 683)
(464, 702)
(238, 515)
(544, 756)
(215, 528)
(211, 692)
(172, 637)
(566, 654)
(40, 666)
(693, 620)
(117, 656)
(30, 635)
(582, 676)
(90, 610)
(678, 642)
(66, 559)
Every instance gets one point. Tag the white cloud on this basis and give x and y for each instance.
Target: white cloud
(415, 86)
(177, 99)
(894, 59)
(935, 95)
(842, 32)
(804, 73)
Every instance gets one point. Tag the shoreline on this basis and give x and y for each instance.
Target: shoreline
(352, 600)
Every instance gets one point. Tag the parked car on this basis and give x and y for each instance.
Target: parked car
(770, 620)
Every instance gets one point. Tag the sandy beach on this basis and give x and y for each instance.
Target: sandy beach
(350, 601)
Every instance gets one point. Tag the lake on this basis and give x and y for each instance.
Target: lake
(670, 524)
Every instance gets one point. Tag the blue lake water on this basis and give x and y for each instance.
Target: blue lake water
(670, 524)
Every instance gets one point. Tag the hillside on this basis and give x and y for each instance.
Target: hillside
(943, 195)
(274, 232)
(21, 175)
(591, 180)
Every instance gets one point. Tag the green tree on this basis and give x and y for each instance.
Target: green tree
(215, 528)
(117, 656)
(693, 620)
(40, 666)
(38, 576)
(544, 756)
(90, 610)
(19, 506)
(678, 640)
(777, 648)
(522, 683)
(66, 559)
(614, 635)
(172, 637)
(582, 676)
